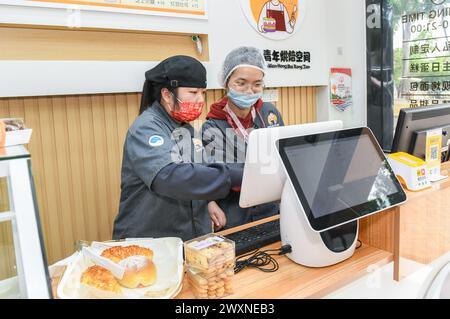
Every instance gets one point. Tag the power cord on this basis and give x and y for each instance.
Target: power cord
(260, 259)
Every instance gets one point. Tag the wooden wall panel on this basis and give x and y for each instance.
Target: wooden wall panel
(425, 224)
(76, 150)
(33, 43)
(378, 230)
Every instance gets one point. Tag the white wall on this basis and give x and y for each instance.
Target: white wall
(346, 31)
(226, 16)
(326, 25)
(226, 26)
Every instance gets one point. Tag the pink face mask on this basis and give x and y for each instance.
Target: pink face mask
(188, 112)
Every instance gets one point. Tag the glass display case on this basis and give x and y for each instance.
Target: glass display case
(23, 262)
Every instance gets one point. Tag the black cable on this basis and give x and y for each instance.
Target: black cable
(261, 259)
(360, 244)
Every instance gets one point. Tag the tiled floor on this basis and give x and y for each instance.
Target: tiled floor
(378, 283)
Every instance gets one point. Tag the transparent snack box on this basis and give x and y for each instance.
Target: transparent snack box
(210, 262)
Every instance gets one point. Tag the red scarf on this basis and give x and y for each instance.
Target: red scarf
(217, 112)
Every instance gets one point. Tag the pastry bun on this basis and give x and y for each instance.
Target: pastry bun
(140, 270)
(119, 253)
(100, 278)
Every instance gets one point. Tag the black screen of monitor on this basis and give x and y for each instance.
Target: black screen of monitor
(339, 176)
(411, 120)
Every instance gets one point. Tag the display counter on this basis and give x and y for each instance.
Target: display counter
(417, 230)
(292, 280)
(421, 226)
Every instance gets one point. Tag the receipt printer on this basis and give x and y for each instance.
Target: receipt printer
(411, 171)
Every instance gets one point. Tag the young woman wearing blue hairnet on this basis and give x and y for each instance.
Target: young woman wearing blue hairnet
(225, 133)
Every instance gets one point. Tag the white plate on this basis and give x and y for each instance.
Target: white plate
(167, 257)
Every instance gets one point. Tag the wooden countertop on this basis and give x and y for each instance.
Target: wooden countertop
(296, 281)
(291, 280)
(436, 186)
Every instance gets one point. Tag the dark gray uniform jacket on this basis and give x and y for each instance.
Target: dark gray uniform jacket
(163, 193)
(220, 147)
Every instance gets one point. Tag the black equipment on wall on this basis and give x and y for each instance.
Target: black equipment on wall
(380, 65)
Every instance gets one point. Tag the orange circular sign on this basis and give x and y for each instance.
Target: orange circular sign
(274, 19)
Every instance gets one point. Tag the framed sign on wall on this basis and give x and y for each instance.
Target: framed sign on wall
(196, 9)
(341, 88)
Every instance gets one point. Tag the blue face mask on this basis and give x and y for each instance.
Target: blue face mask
(242, 100)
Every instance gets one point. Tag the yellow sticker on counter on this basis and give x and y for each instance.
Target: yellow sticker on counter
(433, 152)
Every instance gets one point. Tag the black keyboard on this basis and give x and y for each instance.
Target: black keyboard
(256, 237)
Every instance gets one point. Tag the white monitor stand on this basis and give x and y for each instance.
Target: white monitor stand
(319, 242)
(343, 176)
(308, 247)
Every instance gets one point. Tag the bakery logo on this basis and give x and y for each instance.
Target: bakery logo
(287, 59)
(274, 19)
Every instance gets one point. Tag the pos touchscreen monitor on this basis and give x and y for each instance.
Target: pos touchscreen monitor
(339, 176)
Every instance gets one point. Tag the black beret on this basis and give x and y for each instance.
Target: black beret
(178, 71)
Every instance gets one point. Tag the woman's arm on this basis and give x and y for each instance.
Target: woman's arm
(288, 20)
(262, 15)
(189, 181)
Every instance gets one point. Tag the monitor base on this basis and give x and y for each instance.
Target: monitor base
(310, 248)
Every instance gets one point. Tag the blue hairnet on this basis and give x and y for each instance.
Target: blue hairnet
(240, 57)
